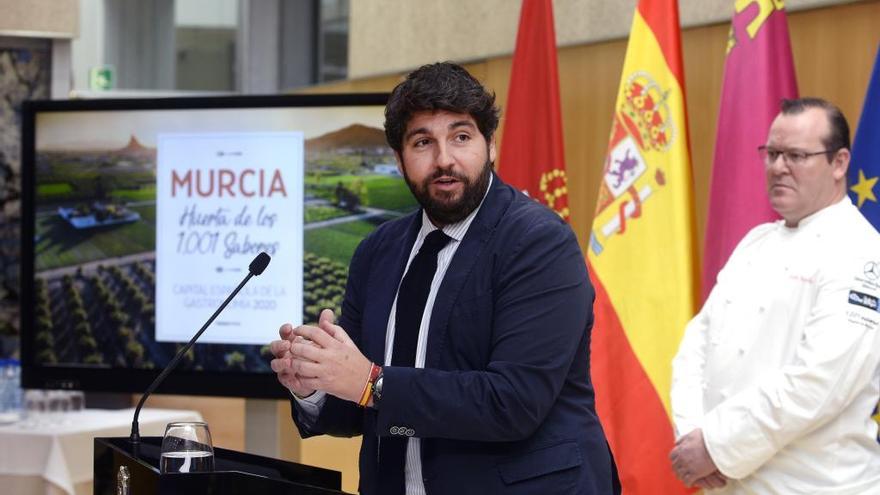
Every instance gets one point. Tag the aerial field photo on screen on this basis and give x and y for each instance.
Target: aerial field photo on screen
(95, 225)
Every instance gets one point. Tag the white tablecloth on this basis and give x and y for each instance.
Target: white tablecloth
(62, 453)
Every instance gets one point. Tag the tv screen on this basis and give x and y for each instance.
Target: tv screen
(141, 216)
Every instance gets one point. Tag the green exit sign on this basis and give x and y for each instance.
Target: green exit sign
(102, 77)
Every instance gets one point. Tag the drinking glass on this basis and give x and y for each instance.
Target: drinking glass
(186, 448)
(35, 405)
(77, 400)
(57, 405)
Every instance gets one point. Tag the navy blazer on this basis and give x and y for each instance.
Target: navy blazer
(504, 403)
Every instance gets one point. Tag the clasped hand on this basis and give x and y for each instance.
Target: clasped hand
(692, 463)
(323, 358)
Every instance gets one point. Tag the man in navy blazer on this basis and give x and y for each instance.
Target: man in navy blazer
(499, 399)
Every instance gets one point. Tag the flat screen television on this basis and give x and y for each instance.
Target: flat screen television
(141, 215)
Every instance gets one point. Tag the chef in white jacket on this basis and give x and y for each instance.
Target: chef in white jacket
(776, 378)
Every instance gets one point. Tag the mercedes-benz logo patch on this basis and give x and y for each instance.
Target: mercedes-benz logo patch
(872, 270)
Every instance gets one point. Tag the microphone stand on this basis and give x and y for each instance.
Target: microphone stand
(256, 267)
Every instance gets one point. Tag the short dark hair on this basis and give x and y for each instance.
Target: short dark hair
(838, 137)
(440, 86)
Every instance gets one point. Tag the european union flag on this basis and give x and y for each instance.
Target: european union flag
(864, 169)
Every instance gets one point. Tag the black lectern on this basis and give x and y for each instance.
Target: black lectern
(234, 473)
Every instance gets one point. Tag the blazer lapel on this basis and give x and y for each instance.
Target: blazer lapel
(386, 273)
(475, 240)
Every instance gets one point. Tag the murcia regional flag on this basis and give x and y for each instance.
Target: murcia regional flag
(641, 254)
(759, 70)
(532, 154)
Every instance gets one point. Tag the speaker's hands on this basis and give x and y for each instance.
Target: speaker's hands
(284, 363)
(325, 358)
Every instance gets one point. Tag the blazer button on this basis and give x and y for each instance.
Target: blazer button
(410, 432)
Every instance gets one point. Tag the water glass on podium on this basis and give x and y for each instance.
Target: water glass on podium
(186, 448)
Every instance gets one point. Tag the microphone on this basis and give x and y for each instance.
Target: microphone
(255, 268)
(259, 264)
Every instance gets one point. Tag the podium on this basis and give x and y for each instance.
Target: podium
(234, 473)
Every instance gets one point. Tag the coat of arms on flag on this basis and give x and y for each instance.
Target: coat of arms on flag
(643, 124)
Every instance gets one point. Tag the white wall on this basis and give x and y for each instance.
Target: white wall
(88, 47)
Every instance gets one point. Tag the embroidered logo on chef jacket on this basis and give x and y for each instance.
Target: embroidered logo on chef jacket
(869, 320)
(870, 278)
(864, 300)
(861, 318)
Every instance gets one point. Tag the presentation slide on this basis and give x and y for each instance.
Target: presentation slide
(222, 199)
(146, 219)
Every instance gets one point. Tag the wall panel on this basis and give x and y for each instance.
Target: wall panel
(39, 18)
(392, 35)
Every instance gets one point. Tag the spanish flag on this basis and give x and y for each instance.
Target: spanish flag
(642, 254)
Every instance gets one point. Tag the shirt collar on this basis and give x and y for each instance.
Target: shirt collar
(816, 218)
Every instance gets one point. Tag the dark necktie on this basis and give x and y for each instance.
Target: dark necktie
(411, 299)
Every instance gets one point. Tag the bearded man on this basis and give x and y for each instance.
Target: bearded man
(462, 352)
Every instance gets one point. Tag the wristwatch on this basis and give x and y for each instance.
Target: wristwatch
(376, 390)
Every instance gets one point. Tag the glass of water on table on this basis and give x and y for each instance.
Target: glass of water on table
(186, 448)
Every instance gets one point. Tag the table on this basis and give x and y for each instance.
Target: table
(56, 458)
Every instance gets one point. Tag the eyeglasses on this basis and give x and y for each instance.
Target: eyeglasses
(790, 157)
